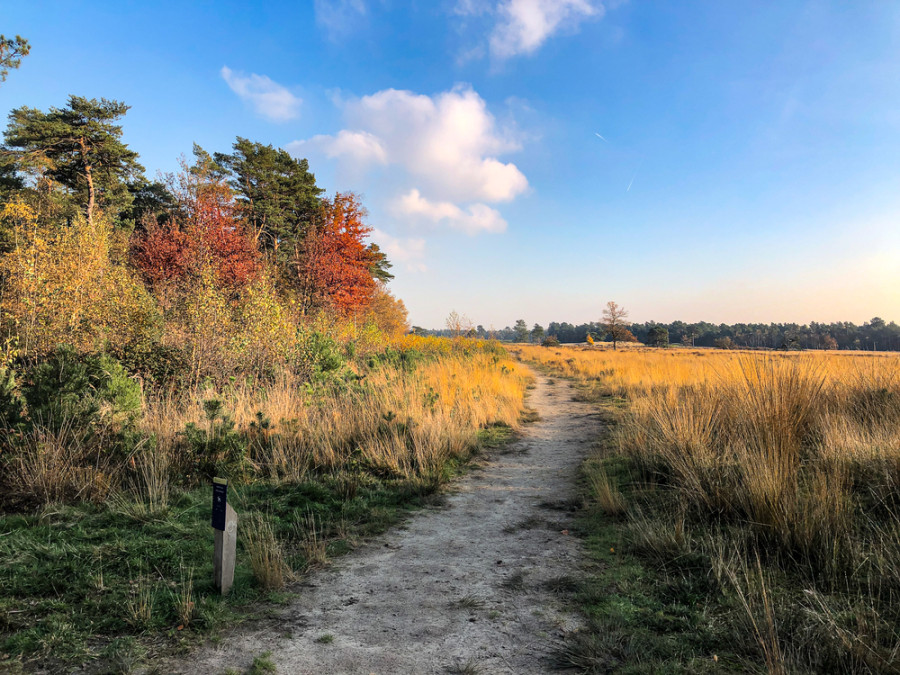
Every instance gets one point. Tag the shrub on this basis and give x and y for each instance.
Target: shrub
(81, 390)
(550, 341)
(316, 356)
(158, 365)
(67, 280)
(11, 403)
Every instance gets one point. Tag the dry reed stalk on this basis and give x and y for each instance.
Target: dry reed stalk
(265, 553)
(153, 466)
(312, 544)
(140, 603)
(752, 591)
(183, 599)
(603, 490)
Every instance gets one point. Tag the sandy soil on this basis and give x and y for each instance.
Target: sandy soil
(465, 587)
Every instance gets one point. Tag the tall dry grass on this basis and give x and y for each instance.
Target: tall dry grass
(404, 422)
(60, 463)
(792, 459)
(402, 416)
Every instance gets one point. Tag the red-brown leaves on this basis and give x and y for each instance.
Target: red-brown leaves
(162, 253)
(335, 268)
(206, 232)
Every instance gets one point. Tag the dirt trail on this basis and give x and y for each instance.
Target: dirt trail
(465, 587)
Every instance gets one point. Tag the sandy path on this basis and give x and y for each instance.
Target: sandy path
(458, 588)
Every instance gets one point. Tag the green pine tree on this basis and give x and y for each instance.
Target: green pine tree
(78, 147)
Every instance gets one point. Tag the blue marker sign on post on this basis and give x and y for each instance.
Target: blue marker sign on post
(220, 500)
(224, 522)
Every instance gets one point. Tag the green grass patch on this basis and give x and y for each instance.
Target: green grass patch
(641, 618)
(98, 583)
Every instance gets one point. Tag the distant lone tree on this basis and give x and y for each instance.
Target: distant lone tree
(616, 324)
(723, 343)
(550, 341)
(11, 52)
(658, 337)
(537, 333)
(828, 342)
(521, 331)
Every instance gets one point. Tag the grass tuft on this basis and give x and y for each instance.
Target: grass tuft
(265, 553)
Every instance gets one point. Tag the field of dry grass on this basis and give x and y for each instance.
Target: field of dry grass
(404, 416)
(778, 471)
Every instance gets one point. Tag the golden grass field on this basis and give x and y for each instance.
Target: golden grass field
(781, 469)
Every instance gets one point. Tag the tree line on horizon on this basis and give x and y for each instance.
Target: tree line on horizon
(873, 335)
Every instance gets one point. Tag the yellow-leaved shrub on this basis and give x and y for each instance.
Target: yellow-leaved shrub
(65, 283)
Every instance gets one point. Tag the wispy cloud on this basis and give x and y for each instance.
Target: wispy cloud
(268, 98)
(526, 24)
(359, 147)
(339, 17)
(521, 27)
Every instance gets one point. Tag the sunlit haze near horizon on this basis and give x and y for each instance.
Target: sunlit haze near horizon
(727, 162)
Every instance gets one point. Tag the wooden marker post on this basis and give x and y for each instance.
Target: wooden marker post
(224, 521)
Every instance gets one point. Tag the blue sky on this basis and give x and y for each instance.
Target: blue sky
(749, 168)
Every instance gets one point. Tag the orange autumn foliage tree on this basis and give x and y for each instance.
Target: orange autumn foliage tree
(334, 267)
(206, 233)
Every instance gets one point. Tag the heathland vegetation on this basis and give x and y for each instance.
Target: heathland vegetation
(227, 320)
(232, 320)
(744, 510)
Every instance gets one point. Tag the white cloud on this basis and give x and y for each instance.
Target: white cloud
(475, 219)
(448, 143)
(438, 155)
(409, 252)
(339, 17)
(526, 24)
(268, 98)
(360, 147)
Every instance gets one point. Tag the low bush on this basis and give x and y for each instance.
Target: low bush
(81, 391)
